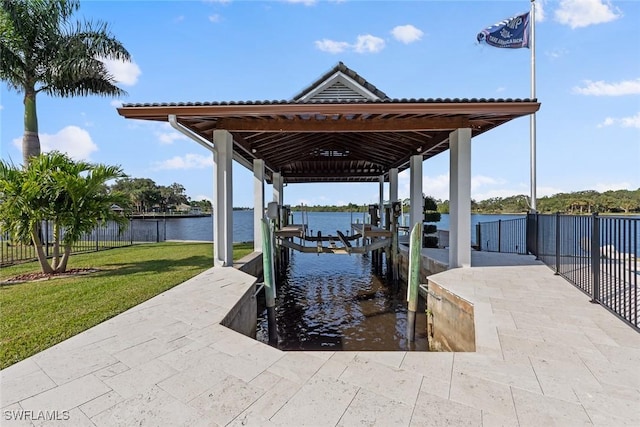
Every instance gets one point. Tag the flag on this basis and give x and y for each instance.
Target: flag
(512, 33)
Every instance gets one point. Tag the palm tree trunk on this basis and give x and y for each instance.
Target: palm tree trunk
(30, 139)
(62, 266)
(42, 257)
(56, 245)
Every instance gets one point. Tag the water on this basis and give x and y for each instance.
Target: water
(335, 302)
(201, 228)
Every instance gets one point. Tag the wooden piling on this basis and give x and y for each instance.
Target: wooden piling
(269, 282)
(413, 282)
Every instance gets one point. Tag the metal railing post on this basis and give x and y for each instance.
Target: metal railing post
(595, 258)
(536, 234)
(479, 236)
(557, 243)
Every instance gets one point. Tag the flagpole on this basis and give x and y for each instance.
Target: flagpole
(532, 117)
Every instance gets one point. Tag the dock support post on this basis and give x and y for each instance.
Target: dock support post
(415, 247)
(223, 199)
(460, 198)
(269, 282)
(258, 202)
(395, 213)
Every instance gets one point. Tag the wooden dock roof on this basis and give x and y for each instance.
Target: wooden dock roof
(356, 137)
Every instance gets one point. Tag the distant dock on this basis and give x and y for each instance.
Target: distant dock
(153, 215)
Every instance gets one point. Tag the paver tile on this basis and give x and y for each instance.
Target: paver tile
(482, 394)
(297, 367)
(278, 392)
(436, 368)
(226, 400)
(140, 379)
(18, 384)
(559, 379)
(534, 409)
(101, 403)
(153, 407)
(431, 410)
(320, 402)
(63, 366)
(67, 396)
(371, 409)
(506, 372)
(395, 384)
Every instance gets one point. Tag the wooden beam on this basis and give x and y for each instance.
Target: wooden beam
(512, 108)
(343, 125)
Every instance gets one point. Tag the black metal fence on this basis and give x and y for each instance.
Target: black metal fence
(507, 236)
(103, 237)
(597, 254)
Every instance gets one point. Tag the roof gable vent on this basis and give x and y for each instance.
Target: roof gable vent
(340, 84)
(337, 91)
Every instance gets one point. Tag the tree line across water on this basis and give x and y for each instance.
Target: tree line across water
(578, 202)
(146, 196)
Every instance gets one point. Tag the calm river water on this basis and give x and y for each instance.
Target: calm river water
(201, 228)
(328, 301)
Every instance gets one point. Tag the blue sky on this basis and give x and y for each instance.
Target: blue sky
(587, 79)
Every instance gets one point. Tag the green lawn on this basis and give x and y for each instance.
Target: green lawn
(37, 315)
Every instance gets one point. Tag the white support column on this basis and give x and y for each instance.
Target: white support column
(393, 185)
(415, 193)
(460, 198)
(277, 188)
(258, 203)
(381, 198)
(223, 199)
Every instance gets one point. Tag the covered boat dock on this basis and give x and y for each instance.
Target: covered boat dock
(341, 128)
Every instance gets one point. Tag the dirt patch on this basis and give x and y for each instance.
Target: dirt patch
(39, 276)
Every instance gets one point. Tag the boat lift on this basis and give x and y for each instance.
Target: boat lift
(373, 238)
(365, 239)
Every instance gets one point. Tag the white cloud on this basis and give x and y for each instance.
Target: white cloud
(215, 18)
(601, 88)
(556, 53)
(331, 46)
(631, 122)
(407, 33)
(540, 11)
(72, 140)
(582, 13)
(364, 44)
(601, 187)
(167, 134)
(542, 191)
(126, 73)
(481, 181)
(304, 2)
(498, 192)
(625, 122)
(188, 161)
(368, 44)
(117, 103)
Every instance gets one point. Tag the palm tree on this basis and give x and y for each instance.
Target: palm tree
(42, 50)
(71, 195)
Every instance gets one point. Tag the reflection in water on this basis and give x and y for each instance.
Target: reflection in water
(335, 302)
